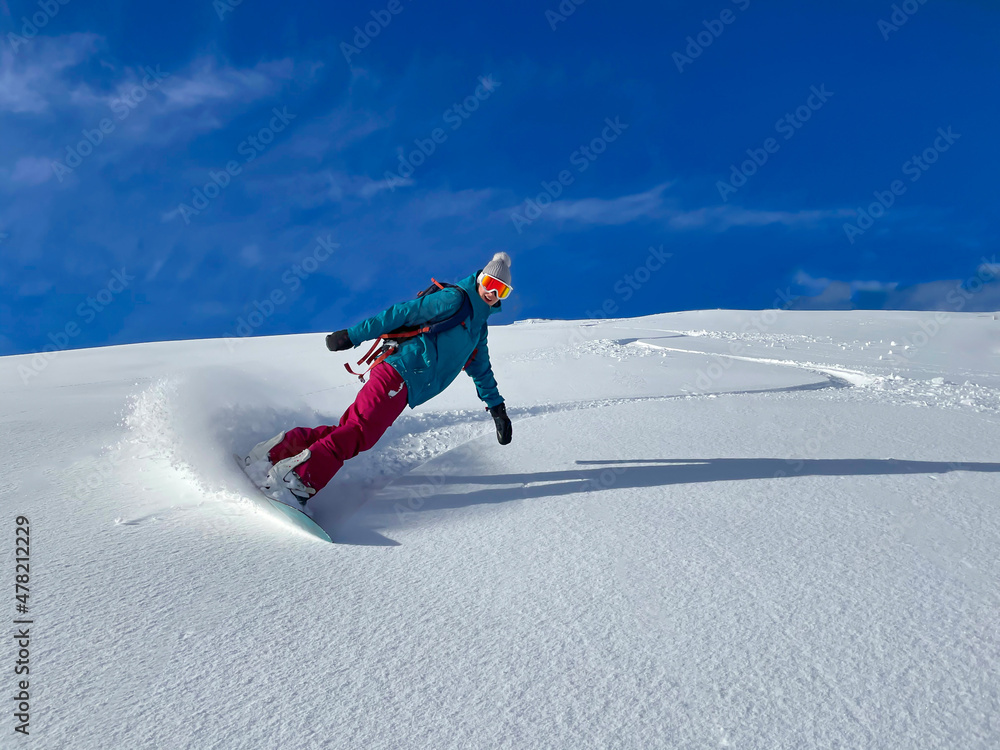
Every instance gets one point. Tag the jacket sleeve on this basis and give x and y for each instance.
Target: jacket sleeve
(430, 308)
(481, 372)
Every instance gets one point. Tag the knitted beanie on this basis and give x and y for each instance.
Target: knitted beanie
(499, 268)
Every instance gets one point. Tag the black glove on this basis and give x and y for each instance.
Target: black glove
(499, 414)
(338, 341)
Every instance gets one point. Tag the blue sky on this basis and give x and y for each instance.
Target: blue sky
(596, 143)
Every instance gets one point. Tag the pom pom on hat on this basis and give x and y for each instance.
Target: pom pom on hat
(499, 268)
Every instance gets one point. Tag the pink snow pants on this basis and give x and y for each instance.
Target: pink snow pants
(376, 407)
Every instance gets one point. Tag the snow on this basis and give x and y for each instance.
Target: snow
(712, 529)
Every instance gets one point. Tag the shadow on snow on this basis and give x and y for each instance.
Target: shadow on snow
(659, 472)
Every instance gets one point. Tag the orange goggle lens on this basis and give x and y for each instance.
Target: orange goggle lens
(491, 284)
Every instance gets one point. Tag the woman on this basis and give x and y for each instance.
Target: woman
(447, 333)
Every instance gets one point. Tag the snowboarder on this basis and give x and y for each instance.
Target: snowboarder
(427, 342)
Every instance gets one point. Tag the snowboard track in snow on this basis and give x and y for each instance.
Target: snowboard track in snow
(416, 439)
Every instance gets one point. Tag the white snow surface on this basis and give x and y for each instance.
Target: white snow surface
(712, 529)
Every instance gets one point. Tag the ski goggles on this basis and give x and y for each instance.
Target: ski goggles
(491, 284)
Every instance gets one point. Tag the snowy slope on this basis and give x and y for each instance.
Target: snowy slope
(712, 529)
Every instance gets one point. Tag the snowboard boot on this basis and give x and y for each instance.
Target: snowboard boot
(262, 451)
(285, 481)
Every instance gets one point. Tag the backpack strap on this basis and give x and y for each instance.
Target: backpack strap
(372, 358)
(389, 341)
(461, 315)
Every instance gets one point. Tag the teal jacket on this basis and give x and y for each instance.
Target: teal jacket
(429, 363)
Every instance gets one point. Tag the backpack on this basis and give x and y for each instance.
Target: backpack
(459, 318)
(389, 342)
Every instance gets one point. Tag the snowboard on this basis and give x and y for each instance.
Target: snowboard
(286, 513)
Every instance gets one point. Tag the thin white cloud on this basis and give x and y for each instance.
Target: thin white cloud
(154, 270)
(953, 295)
(439, 204)
(309, 190)
(28, 83)
(609, 212)
(335, 131)
(31, 170)
(652, 205)
(874, 286)
(206, 82)
(186, 104)
(251, 255)
(834, 295)
(812, 284)
(829, 290)
(372, 187)
(721, 218)
(147, 104)
(202, 97)
(977, 293)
